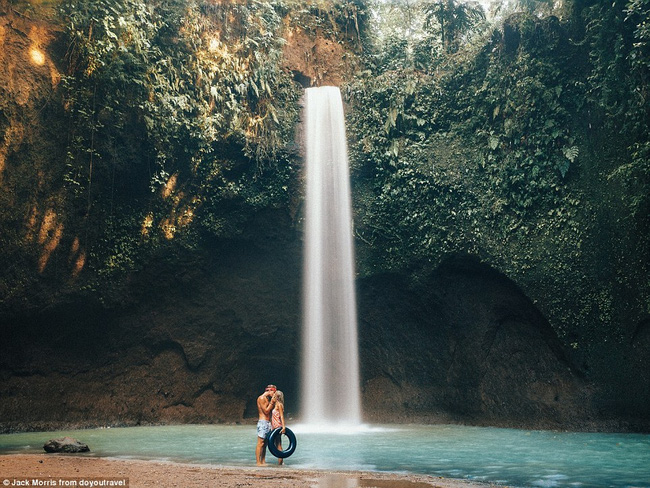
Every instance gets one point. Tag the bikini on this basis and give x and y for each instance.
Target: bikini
(276, 421)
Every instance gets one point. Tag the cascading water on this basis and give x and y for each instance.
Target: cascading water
(330, 365)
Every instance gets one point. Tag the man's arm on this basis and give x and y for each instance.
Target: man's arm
(264, 405)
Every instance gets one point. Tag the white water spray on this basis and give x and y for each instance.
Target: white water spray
(330, 365)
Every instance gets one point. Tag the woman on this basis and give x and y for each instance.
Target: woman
(277, 418)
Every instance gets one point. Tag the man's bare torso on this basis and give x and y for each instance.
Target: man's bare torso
(262, 406)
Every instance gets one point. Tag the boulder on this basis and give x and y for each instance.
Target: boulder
(65, 444)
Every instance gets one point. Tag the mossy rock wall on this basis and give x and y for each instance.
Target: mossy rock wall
(501, 239)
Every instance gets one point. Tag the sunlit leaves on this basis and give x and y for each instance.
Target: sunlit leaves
(189, 91)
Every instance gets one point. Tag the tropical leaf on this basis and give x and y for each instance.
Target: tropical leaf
(571, 153)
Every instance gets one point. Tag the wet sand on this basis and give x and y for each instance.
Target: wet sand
(76, 470)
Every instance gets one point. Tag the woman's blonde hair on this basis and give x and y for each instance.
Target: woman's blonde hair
(279, 397)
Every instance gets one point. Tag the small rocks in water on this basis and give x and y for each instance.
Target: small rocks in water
(65, 444)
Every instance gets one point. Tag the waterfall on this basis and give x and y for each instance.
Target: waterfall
(330, 364)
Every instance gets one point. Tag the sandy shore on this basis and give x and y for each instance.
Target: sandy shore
(75, 470)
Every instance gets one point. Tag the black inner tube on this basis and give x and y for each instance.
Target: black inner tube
(276, 434)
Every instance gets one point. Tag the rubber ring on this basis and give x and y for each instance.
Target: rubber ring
(274, 449)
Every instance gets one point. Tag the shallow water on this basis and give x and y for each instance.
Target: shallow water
(504, 456)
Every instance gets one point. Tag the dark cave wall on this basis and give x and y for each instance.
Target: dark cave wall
(471, 348)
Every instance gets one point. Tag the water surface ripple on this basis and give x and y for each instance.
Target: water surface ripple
(504, 456)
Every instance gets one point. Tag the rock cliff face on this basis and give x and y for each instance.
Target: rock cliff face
(32, 200)
(195, 343)
(195, 336)
(201, 335)
(471, 346)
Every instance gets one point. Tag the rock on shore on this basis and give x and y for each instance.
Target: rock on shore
(65, 444)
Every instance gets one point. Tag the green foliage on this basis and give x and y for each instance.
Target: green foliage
(499, 150)
(527, 146)
(505, 122)
(625, 101)
(617, 37)
(451, 19)
(180, 106)
(536, 6)
(525, 129)
(341, 20)
(418, 34)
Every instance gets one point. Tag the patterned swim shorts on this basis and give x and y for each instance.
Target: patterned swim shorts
(263, 428)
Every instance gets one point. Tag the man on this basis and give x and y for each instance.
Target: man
(265, 403)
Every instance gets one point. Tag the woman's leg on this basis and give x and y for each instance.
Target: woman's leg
(278, 442)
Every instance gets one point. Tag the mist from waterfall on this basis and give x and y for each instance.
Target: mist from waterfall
(330, 357)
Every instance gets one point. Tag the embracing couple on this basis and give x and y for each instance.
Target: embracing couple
(270, 406)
